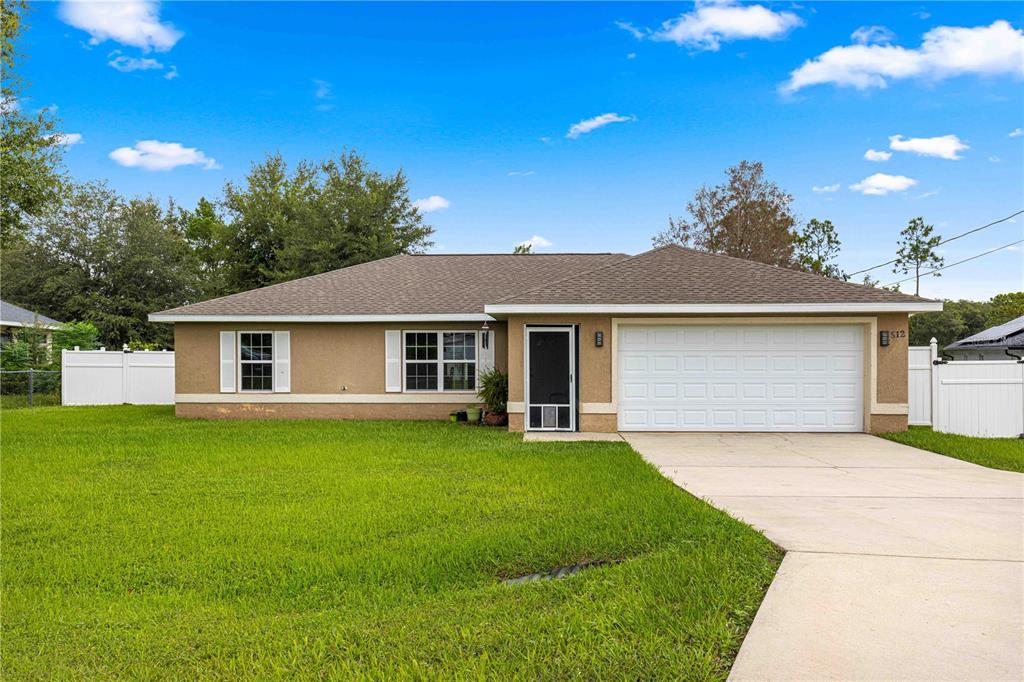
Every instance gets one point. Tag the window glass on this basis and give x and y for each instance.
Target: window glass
(440, 361)
(256, 350)
(459, 376)
(460, 346)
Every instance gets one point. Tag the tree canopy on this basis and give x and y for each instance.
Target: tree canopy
(748, 216)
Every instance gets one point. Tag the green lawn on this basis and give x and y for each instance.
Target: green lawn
(138, 545)
(998, 453)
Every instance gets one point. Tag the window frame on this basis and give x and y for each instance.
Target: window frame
(440, 362)
(240, 361)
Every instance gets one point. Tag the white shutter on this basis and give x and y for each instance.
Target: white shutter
(393, 361)
(282, 362)
(485, 356)
(227, 362)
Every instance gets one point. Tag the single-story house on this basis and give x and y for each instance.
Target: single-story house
(990, 344)
(14, 318)
(672, 339)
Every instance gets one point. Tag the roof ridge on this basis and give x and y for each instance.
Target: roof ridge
(625, 257)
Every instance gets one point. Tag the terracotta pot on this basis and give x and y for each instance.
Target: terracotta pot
(496, 419)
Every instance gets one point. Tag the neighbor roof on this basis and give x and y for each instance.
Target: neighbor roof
(474, 286)
(674, 275)
(1000, 336)
(406, 285)
(16, 316)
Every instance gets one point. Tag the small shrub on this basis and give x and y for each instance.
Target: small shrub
(494, 390)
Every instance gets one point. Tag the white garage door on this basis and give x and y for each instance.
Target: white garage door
(741, 378)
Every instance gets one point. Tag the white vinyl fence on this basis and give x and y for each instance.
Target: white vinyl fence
(102, 377)
(969, 397)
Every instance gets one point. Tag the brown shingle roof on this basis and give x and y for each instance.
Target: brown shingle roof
(406, 285)
(673, 275)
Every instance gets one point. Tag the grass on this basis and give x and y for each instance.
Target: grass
(997, 453)
(138, 545)
(15, 401)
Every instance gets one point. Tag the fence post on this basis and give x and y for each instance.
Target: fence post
(933, 370)
(31, 381)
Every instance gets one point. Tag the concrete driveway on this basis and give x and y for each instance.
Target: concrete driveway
(900, 564)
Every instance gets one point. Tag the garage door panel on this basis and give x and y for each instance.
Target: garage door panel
(756, 378)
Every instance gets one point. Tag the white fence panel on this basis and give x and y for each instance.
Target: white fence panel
(919, 385)
(979, 398)
(149, 378)
(100, 377)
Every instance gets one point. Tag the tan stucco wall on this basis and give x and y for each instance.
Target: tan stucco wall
(595, 374)
(324, 357)
(892, 359)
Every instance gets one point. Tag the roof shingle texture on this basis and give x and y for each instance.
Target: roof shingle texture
(15, 313)
(674, 275)
(406, 285)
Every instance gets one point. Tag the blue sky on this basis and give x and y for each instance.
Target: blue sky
(477, 103)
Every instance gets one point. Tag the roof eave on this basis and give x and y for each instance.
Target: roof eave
(714, 308)
(269, 319)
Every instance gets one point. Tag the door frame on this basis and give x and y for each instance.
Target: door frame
(573, 370)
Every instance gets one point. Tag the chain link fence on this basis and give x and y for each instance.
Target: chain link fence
(29, 388)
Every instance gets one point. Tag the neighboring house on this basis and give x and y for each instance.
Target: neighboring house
(990, 344)
(14, 318)
(668, 340)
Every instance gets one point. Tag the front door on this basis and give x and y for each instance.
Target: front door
(550, 384)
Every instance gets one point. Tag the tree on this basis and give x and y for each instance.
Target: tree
(525, 247)
(69, 335)
(916, 250)
(319, 217)
(206, 232)
(1005, 307)
(748, 217)
(816, 247)
(956, 320)
(30, 149)
(98, 257)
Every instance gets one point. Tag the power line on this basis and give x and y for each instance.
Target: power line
(944, 241)
(946, 267)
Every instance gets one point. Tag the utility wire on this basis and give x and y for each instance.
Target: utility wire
(946, 267)
(944, 241)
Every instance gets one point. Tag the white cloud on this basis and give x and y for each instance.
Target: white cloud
(631, 29)
(825, 189)
(944, 147)
(712, 23)
(631, 55)
(124, 63)
(589, 124)
(130, 22)
(875, 155)
(172, 73)
(1017, 132)
(867, 35)
(994, 159)
(521, 174)
(925, 195)
(323, 93)
(432, 203)
(323, 89)
(945, 52)
(881, 184)
(155, 155)
(67, 139)
(535, 242)
(9, 105)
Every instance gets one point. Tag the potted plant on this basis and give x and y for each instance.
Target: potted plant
(494, 394)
